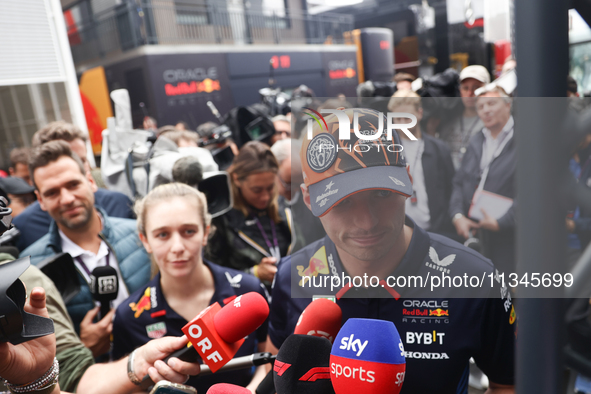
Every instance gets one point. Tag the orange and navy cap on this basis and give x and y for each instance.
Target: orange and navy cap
(335, 168)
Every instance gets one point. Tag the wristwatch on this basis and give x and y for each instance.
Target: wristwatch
(456, 217)
(130, 372)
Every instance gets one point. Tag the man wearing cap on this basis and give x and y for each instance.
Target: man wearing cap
(358, 188)
(20, 194)
(458, 132)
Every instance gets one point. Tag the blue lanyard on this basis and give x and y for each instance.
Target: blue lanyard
(79, 260)
(273, 248)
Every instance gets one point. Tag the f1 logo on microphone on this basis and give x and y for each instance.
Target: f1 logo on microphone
(315, 374)
(107, 284)
(280, 367)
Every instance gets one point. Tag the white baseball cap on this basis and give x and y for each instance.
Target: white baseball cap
(479, 73)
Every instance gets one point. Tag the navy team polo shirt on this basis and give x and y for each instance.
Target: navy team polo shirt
(145, 315)
(439, 334)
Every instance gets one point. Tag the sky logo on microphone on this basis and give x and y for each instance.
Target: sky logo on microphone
(351, 343)
(367, 356)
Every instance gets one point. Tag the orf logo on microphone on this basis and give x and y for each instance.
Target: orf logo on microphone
(107, 284)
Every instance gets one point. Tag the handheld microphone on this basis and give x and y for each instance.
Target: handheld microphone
(217, 333)
(226, 388)
(322, 318)
(104, 286)
(250, 309)
(302, 366)
(367, 357)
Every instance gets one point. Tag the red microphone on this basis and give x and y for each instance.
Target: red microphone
(217, 333)
(322, 318)
(225, 388)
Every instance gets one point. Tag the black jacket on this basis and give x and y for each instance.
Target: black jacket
(439, 171)
(499, 246)
(238, 243)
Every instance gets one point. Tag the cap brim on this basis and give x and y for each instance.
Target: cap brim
(327, 193)
(16, 186)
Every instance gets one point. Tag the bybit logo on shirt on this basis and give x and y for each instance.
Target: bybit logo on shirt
(425, 338)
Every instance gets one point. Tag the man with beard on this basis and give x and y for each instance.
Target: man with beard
(66, 191)
(33, 223)
(358, 188)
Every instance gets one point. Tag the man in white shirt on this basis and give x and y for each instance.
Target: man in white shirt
(489, 165)
(66, 191)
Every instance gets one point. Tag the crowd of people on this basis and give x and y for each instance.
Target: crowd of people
(359, 213)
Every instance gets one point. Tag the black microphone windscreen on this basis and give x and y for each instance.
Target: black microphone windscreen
(104, 283)
(302, 366)
(267, 386)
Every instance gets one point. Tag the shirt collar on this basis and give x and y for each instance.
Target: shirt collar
(506, 129)
(223, 290)
(68, 246)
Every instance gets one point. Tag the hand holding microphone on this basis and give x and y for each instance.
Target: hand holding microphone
(104, 287)
(217, 333)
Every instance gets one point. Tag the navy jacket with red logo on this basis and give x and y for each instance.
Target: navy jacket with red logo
(440, 332)
(146, 315)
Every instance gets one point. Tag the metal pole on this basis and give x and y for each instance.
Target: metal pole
(541, 28)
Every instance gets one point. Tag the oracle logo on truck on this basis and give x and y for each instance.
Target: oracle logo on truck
(183, 82)
(191, 74)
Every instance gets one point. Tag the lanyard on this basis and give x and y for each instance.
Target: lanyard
(273, 248)
(496, 153)
(79, 260)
